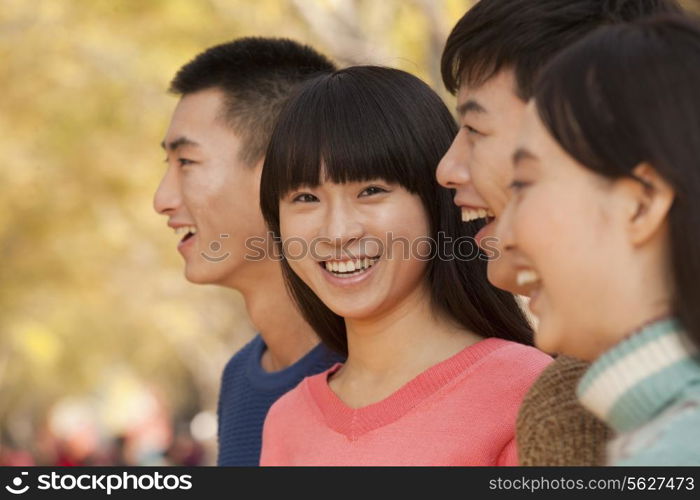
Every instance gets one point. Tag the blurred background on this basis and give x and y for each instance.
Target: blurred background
(107, 354)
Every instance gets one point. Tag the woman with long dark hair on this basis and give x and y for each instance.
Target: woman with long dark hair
(606, 220)
(380, 264)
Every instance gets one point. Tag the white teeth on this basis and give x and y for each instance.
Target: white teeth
(349, 268)
(185, 230)
(470, 214)
(527, 277)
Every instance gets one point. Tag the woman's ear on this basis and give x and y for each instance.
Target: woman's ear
(649, 199)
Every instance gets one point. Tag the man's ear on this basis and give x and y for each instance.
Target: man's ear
(649, 199)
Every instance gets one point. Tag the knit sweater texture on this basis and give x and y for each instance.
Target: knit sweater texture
(647, 388)
(460, 411)
(553, 428)
(248, 391)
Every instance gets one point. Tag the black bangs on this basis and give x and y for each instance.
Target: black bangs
(358, 124)
(368, 122)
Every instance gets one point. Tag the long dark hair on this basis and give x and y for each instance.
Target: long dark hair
(630, 94)
(369, 122)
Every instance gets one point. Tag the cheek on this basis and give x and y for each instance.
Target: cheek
(537, 228)
(294, 225)
(208, 194)
(403, 216)
(411, 225)
(200, 201)
(297, 233)
(410, 239)
(565, 236)
(492, 177)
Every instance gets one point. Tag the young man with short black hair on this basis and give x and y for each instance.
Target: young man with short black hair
(230, 96)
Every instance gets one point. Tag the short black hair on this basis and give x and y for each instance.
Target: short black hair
(523, 35)
(368, 122)
(627, 95)
(256, 76)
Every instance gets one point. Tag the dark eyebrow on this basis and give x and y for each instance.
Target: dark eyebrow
(470, 106)
(177, 143)
(522, 154)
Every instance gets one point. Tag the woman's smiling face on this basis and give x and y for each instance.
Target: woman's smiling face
(566, 226)
(357, 245)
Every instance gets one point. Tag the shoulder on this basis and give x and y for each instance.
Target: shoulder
(514, 358)
(552, 426)
(293, 402)
(305, 399)
(558, 382)
(502, 372)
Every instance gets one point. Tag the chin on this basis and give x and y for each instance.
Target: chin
(547, 340)
(200, 276)
(196, 278)
(499, 276)
(353, 311)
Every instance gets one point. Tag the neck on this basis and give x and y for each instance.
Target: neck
(645, 298)
(649, 284)
(388, 350)
(286, 334)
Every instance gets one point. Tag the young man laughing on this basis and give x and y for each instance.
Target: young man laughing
(230, 96)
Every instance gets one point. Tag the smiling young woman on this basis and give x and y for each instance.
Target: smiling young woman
(433, 350)
(605, 216)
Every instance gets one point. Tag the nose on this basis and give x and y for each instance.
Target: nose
(168, 196)
(452, 171)
(342, 225)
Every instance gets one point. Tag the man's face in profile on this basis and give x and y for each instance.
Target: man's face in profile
(478, 164)
(208, 193)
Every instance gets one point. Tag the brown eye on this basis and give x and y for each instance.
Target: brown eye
(304, 198)
(371, 190)
(471, 130)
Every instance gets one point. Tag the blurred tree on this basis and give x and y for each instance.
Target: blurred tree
(692, 5)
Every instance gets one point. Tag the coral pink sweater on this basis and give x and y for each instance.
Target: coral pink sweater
(461, 411)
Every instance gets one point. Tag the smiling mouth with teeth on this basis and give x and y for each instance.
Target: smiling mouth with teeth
(347, 268)
(470, 214)
(527, 277)
(188, 232)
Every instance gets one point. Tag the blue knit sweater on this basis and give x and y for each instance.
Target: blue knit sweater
(247, 392)
(647, 389)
